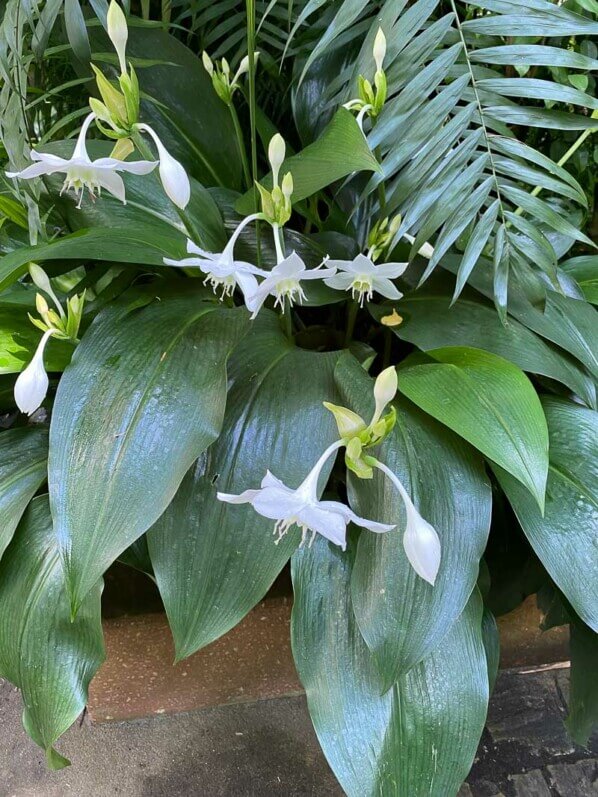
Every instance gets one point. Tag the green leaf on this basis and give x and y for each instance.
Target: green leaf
(23, 458)
(214, 561)
(583, 685)
(19, 340)
(48, 657)
(401, 617)
(565, 538)
(430, 322)
(489, 402)
(532, 88)
(533, 55)
(76, 31)
(417, 739)
(584, 271)
(491, 640)
(143, 397)
(340, 150)
(140, 244)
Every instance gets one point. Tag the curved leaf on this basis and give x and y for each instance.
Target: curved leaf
(213, 561)
(417, 739)
(143, 397)
(401, 617)
(489, 402)
(429, 322)
(565, 538)
(51, 659)
(23, 458)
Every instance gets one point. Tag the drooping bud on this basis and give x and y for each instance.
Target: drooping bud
(172, 174)
(379, 49)
(32, 383)
(118, 33)
(422, 545)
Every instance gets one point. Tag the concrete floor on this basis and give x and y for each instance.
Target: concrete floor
(269, 748)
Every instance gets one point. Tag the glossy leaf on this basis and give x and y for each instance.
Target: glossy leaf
(23, 458)
(584, 271)
(340, 150)
(419, 737)
(565, 538)
(127, 244)
(489, 402)
(430, 322)
(401, 617)
(142, 398)
(51, 659)
(214, 561)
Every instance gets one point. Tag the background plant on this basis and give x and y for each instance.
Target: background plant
(482, 159)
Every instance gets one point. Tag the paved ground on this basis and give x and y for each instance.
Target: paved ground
(268, 748)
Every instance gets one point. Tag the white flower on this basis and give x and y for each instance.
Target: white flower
(118, 32)
(420, 540)
(302, 508)
(81, 172)
(222, 270)
(362, 277)
(172, 174)
(284, 282)
(379, 49)
(32, 383)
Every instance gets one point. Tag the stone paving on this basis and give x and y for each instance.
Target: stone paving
(269, 748)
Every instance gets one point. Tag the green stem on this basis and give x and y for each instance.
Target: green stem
(240, 144)
(147, 154)
(569, 154)
(352, 311)
(250, 6)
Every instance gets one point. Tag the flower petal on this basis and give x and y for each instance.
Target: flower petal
(133, 167)
(112, 182)
(277, 503)
(340, 282)
(331, 525)
(386, 288)
(246, 497)
(391, 270)
(37, 169)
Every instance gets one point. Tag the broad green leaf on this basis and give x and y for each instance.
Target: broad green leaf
(143, 397)
(214, 561)
(127, 244)
(430, 322)
(584, 271)
(401, 617)
(565, 538)
(23, 458)
(583, 685)
(51, 659)
(489, 402)
(340, 150)
(418, 738)
(19, 340)
(491, 641)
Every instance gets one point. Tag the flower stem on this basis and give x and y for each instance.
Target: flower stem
(240, 144)
(352, 311)
(394, 479)
(250, 8)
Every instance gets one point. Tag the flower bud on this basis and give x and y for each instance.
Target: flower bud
(379, 49)
(276, 153)
(422, 545)
(207, 62)
(40, 278)
(385, 389)
(118, 32)
(172, 174)
(287, 186)
(32, 383)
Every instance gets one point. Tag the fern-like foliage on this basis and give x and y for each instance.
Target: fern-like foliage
(453, 166)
